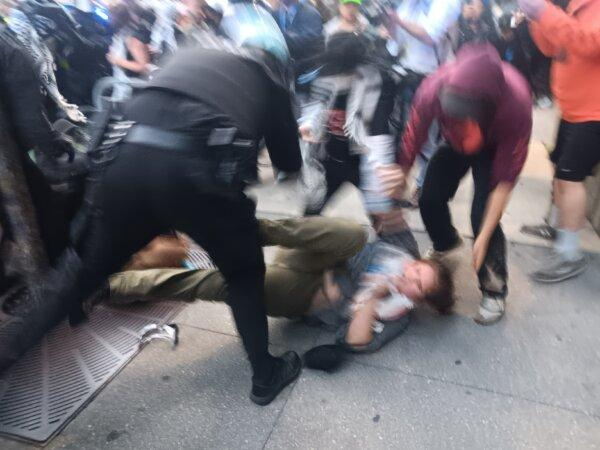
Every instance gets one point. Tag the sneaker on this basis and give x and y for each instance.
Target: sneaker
(287, 369)
(440, 256)
(543, 231)
(557, 269)
(491, 310)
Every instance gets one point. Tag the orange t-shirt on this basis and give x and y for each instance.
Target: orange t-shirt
(572, 39)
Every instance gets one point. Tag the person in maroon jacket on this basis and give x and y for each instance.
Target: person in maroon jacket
(484, 107)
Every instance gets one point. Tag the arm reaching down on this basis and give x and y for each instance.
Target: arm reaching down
(495, 207)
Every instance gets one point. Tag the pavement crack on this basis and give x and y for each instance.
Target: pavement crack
(196, 327)
(276, 421)
(481, 389)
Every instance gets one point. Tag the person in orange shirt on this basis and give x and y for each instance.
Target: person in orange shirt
(572, 39)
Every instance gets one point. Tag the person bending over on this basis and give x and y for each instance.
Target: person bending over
(484, 108)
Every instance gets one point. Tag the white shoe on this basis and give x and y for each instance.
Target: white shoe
(491, 310)
(449, 258)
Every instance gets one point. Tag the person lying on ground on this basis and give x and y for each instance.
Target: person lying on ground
(324, 270)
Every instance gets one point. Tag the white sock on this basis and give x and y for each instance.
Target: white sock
(553, 216)
(567, 244)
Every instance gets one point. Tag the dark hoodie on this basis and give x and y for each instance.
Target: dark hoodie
(479, 74)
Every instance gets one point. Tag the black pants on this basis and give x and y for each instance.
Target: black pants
(146, 192)
(340, 167)
(444, 173)
(54, 210)
(576, 153)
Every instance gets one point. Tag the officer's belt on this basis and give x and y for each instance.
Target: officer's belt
(156, 137)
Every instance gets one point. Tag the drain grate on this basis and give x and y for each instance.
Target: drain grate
(57, 378)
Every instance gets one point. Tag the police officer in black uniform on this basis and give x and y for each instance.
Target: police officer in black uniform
(183, 166)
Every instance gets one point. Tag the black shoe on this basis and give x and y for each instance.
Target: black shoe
(287, 368)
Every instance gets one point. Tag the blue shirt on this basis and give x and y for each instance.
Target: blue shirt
(287, 15)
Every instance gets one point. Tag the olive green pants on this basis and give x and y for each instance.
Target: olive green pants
(307, 248)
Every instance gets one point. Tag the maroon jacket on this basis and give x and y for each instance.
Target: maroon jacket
(477, 73)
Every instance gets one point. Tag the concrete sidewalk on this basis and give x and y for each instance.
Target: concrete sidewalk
(530, 382)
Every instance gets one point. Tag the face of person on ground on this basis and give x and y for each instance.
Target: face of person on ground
(349, 12)
(417, 279)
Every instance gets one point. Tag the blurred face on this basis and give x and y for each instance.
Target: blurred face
(349, 12)
(507, 35)
(463, 131)
(472, 10)
(466, 136)
(417, 279)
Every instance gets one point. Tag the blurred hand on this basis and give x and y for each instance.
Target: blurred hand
(468, 12)
(519, 17)
(392, 180)
(307, 134)
(389, 223)
(533, 8)
(73, 113)
(384, 33)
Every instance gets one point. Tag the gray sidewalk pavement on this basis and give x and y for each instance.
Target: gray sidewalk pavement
(530, 382)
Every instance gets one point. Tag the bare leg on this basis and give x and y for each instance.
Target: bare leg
(571, 200)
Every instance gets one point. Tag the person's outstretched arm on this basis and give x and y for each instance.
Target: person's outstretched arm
(563, 31)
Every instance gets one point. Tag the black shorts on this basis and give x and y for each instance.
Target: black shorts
(577, 150)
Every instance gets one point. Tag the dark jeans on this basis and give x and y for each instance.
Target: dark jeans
(146, 192)
(54, 210)
(340, 167)
(444, 173)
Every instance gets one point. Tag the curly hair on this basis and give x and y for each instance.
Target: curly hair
(441, 297)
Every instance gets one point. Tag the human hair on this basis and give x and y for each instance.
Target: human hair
(343, 53)
(441, 297)
(120, 15)
(505, 22)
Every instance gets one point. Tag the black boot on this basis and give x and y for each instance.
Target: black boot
(287, 368)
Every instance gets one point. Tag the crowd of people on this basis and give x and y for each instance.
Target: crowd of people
(355, 92)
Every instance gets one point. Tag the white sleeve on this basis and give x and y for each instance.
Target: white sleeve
(442, 15)
(393, 307)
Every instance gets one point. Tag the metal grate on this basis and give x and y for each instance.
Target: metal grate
(57, 378)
